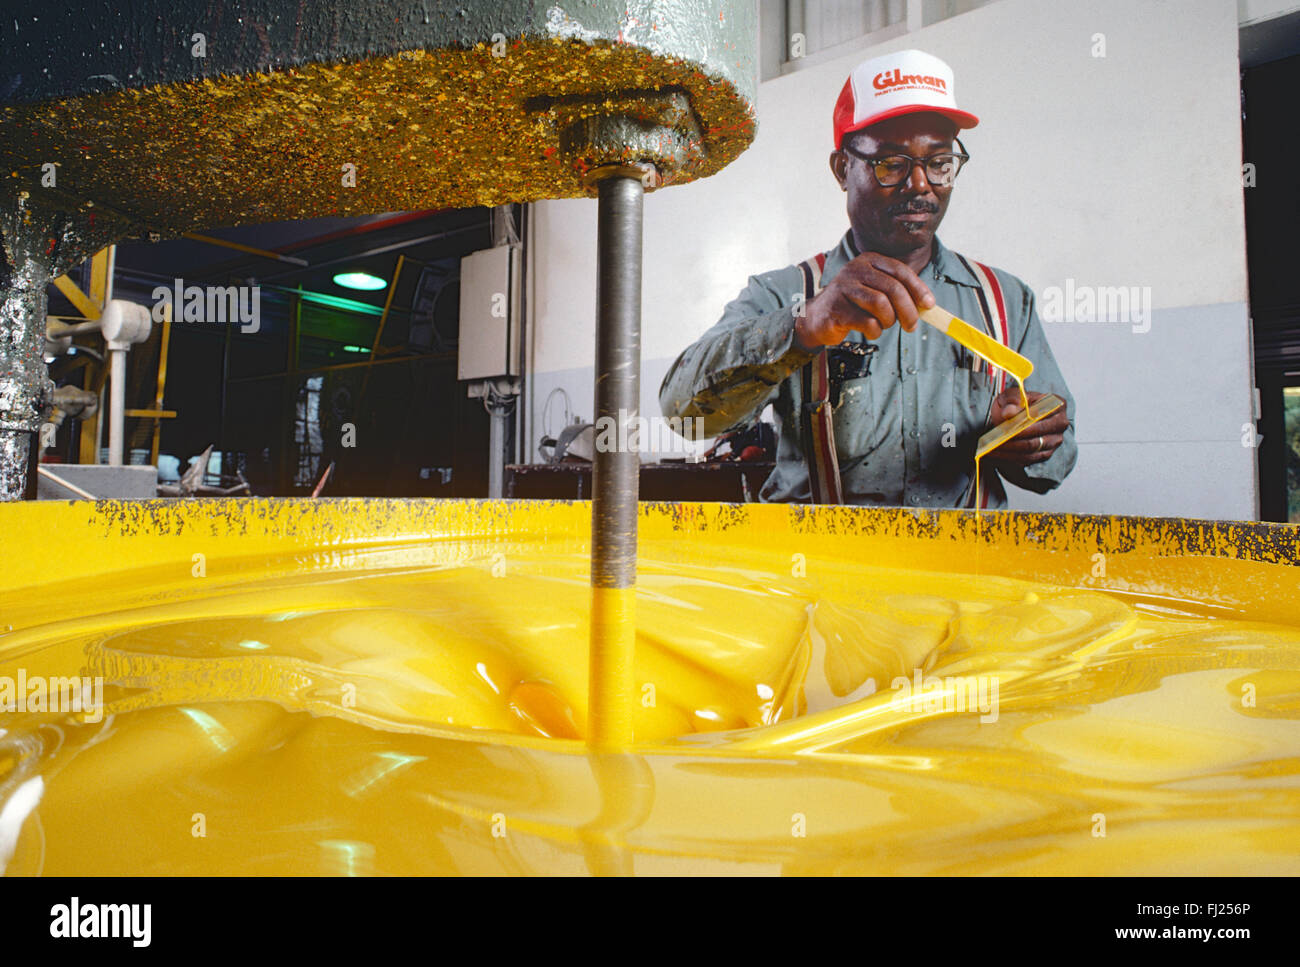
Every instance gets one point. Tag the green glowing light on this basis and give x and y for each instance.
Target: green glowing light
(360, 280)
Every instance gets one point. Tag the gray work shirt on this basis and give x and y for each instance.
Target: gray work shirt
(906, 432)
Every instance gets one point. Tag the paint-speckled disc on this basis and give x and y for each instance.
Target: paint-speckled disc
(298, 113)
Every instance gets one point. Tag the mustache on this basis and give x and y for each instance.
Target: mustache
(915, 206)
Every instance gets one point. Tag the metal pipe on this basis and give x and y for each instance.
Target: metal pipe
(24, 380)
(239, 247)
(499, 395)
(99, 423)
(117, 407)
(66, 329)
(55, 478)
(615, 474)
(496, 452)
(117, 373)
(14, 454)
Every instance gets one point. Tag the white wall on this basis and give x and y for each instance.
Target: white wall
(1115, 170)
(1253, 11)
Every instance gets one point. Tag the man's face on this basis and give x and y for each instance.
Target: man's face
(898, 220)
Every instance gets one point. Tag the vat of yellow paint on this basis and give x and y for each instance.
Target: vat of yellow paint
(393, 686)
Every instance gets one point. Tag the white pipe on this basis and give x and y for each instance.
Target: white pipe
(117, 416)
(117, 407)
(99, 424)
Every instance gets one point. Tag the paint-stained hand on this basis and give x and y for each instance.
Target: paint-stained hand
(869, 294)
(1036, 442)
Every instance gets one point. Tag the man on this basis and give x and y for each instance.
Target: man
(907, 404)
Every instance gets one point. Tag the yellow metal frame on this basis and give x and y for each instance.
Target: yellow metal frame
(91, 307)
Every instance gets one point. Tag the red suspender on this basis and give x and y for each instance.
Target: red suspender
(818, 430)
(993, 308)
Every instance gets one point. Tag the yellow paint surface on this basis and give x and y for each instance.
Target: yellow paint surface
(815, 691)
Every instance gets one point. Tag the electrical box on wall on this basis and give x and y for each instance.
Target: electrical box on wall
(489, 314)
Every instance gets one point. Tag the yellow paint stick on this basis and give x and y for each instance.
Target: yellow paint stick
(987, 349)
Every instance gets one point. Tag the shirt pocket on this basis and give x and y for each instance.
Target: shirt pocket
(862, 434)
(939, 428)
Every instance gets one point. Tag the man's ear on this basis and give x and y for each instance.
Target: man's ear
(839, 168)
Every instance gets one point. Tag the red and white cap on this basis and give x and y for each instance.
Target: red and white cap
(903, 82)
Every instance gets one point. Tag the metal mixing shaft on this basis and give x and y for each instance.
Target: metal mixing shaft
(617, 468)
(643, 143)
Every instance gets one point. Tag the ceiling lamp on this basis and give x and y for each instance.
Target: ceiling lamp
(360, 280)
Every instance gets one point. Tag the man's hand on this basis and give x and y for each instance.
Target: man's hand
(1036, 442)
(869, 294)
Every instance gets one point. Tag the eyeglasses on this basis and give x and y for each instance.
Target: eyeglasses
(894, 169)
